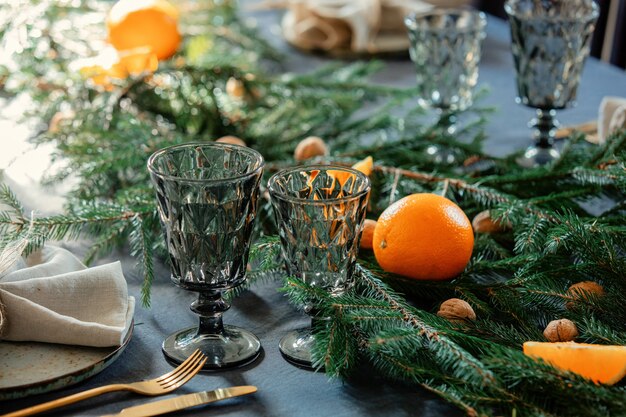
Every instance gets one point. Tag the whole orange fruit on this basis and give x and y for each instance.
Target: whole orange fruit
(144, 23)
(423, 236)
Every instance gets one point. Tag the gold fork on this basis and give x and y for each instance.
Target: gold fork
(157, 386)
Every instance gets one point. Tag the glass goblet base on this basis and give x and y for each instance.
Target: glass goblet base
(440, 155)
(296, 347)
(232, 348)
(446, 125)
(537, 156)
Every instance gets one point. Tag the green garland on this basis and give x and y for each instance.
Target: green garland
(517, 279)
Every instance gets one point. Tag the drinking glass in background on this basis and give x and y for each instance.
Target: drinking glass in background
(445, 45)
(550, 43)
(207, 197)
(319, 211)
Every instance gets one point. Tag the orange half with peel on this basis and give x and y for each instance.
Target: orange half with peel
(106, 67)
(366, 165)
(605, 364)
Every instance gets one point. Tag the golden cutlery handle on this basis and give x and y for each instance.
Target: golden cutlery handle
(70, 399)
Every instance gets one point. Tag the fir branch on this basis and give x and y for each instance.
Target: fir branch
(265, 254)
(481, 193)
(449, 355)
(594, 331)
(8, 198)
(451, 394)
(141, 246)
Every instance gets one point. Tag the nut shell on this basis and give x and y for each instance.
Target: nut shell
(233, 140)
(581, 292)
(309, 148)
(562, 330)
(235, 88)
(367, 236)
(456, 310)
(484, 223)
(58, 119)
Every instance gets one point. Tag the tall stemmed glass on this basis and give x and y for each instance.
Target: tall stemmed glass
(550, 43)
(207, 197)
(320, 211)
(445, 45)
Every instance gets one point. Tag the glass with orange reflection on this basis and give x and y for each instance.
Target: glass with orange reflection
(319, 211)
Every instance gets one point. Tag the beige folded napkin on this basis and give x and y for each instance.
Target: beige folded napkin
(50, 296)
(611, 116)
(355, 25)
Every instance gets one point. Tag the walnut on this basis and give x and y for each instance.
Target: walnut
(562, 330)
(235, 88)
(233, 140)
(58, 119)
(484, 223)
(581, 291)
(456, 310)
(310, 147)
(367, 236)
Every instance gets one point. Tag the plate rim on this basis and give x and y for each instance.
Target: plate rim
(68, 379)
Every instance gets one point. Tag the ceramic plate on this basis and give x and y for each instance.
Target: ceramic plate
(34, 368)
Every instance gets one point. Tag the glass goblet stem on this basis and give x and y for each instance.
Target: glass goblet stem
(447, 122)
(210, 306)
(542, 152)
(545, 126)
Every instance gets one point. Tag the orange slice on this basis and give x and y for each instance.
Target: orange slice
(136, 61)
(110, 65)
(600, 363)
(366, 165)
(340, 176)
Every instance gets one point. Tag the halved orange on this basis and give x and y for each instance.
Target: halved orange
(365, 165)
(604, 364)
(111, 64)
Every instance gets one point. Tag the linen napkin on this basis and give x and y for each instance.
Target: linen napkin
(50, 296)
(611, 116)
(356, 25)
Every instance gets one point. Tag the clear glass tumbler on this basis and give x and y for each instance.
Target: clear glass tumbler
(445, 45)
(550, 43)
(207, 197)
(320, 211)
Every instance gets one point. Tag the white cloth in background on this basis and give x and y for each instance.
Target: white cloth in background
(611, 116)
(52, 297)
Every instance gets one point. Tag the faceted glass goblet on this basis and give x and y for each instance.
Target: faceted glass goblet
(445, 45)
(320, 211)
(207, 196)
(550, 43)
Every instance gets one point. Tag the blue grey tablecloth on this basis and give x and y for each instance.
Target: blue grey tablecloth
(285, 390)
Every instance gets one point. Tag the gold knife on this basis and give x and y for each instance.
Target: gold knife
(156, 408)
